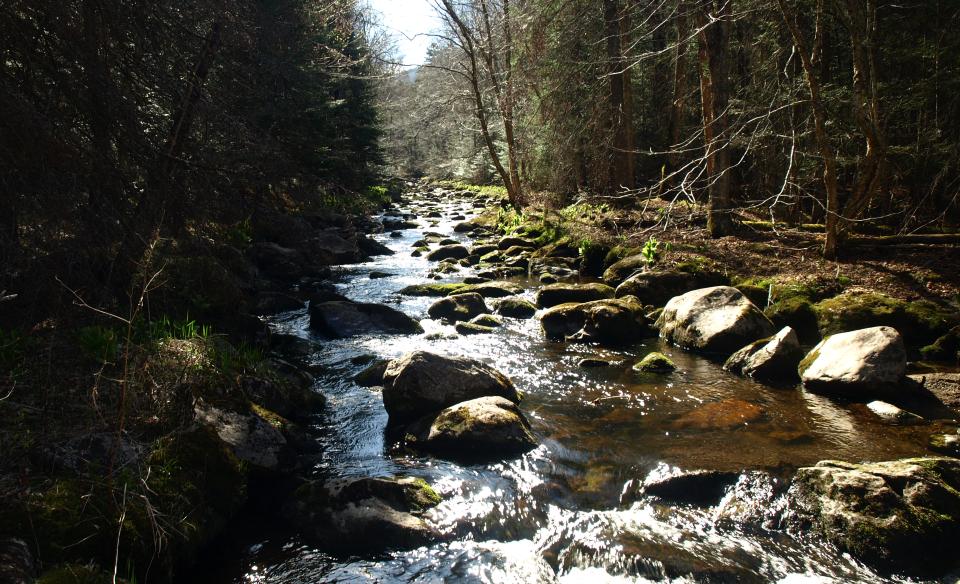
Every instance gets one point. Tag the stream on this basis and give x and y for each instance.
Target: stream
(569, 511)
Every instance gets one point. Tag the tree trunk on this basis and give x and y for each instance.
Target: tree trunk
(714, 94)
(679, 87)
(831, 242)
(621, 173)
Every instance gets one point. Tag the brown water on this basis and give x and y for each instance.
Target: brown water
(555, 514)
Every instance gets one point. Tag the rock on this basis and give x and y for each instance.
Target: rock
(655, 363)
(891, 413)
(482, 250)
(326, 294)
(948, 444)
(364, 515)
(945, 348)
(768, 359)
(556, 294)
(590, 363)
(659, 286)
(471, 328)
(625, 316)
(277, 261)
(623, 269)
(899, 515)
(945, 386)
(328, 248)
(722, 415)
(515, 308)
(273, 303)
(919, 322)
(798, 313)
(458, 307)
(494, 289)
(346, 319)
(510, 241)
(448, 252)
(487, 320)
(859, 363)
(714, 320)
(431, 289)
(372, 375)
(421, 383)
(251, 438)
(487, 428)
(289, 396)
(698, 487)
(378, 275)
(16, 562)
(609, 323)
(372, 247)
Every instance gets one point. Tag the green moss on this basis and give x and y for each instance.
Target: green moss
(807, 361)
(919, 322)
(695, 265)
(945, 348)
(433, 289)
(655, 363)
(796, 312)
(421, 496)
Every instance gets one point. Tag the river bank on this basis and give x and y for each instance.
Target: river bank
(607, 435)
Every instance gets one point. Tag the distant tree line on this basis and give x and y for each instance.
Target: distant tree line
(124, 123)
(822, 111)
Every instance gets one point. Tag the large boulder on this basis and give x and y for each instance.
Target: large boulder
(345, 319)
(623, 269)
(458, 307)
(421, 383)
(615, 320)
(488, 428)
(657, 287)
(330, 248)
(448, 252)
(556, 294)
(364, 515)
(769, 359)
(900, 515)
(859, 363)
(276, 260)
(715, 320)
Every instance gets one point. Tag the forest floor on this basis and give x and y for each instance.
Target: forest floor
(758, 251)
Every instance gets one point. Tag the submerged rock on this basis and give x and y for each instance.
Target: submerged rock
(715, 320)
(859, 363)
(458, 307)
(346, 319)
(556, 294)
(472, 328)
(421, 383)
(364, 515)
(891, 413)
(775, 358)
(488, 428)
(900, 515)
(722, 415)
(655, 363)
(697, 487)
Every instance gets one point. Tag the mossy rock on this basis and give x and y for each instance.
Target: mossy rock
(798, 313)
(432, 289)
(655, 363)
(945, 348)
(757, 294)
(921, 322)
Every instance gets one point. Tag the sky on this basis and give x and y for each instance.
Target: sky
(405, 20)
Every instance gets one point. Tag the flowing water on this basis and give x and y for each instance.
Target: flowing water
(559, 513)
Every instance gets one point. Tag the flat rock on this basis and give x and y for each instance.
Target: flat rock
(722, 415)
(447, 252)
(657, 287)
(892, 414)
